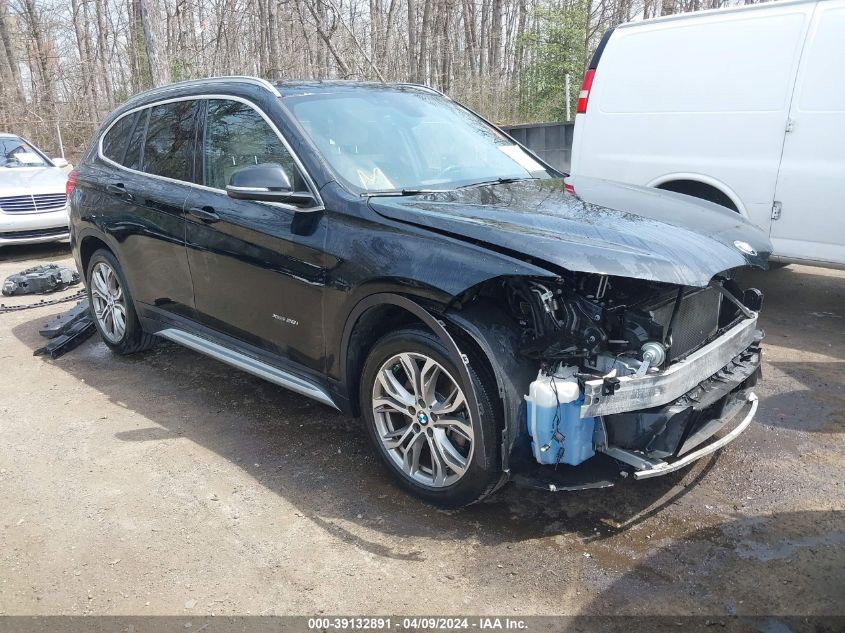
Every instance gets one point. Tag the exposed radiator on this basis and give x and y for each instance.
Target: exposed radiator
(698, 320)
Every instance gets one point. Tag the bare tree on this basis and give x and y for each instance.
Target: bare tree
(505, 58)
(159, 71)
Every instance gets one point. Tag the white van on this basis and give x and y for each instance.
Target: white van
(744, 107)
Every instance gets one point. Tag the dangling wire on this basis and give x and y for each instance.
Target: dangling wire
(557, 435)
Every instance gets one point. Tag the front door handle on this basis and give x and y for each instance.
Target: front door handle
(206, 214)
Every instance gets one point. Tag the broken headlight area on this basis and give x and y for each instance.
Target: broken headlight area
(646, 373)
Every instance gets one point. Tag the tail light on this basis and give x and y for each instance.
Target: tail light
(584, 96)
(71, 183)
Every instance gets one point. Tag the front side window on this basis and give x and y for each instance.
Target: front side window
(393, 138)
(168, 148)
(16, 152)
(236, 136)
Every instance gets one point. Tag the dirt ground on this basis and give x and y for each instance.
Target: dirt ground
(168, 483)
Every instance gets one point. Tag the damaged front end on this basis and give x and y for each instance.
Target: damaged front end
(630, 377)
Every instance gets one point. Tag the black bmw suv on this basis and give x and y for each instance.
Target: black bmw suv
(389, 253)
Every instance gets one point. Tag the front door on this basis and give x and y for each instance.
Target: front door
(257, 267)
(811, 183)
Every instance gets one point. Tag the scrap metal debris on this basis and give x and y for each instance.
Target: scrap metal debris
(40, 280)
(42, 303)
(67, 330)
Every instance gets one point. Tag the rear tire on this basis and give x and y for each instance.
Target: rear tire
(420, 424)
(112, 306)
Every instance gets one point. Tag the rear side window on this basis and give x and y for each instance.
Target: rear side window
(116, 140)
(168, 148)
(236, 136)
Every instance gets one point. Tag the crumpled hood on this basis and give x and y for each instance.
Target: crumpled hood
(19, 181)
(603, 227)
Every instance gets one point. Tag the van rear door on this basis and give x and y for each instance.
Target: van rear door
(810, 195)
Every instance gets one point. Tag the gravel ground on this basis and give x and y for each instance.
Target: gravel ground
(168, 483)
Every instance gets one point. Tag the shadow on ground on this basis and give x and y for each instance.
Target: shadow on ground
(43, 253)
(319, 460)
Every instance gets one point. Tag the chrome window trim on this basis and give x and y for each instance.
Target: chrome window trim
(199, 97)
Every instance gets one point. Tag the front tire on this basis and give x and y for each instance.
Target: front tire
(419, 420)
(112, 306)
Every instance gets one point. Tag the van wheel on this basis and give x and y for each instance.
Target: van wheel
(112, 306)
(421, 423)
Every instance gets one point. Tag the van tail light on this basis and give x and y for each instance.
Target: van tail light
(71, 183)
(585, 91)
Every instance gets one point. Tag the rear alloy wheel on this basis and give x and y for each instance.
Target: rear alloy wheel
(111, 303)
(422, 424)
(108, 302)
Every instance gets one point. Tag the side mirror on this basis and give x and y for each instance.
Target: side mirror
(61, 163)
(267, 182)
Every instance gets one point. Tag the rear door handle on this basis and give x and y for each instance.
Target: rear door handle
(119, 189)
(206, 214)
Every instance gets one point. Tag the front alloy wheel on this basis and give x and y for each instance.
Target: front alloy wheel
(422, 419)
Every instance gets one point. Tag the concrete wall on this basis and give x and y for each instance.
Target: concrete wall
(550, 141)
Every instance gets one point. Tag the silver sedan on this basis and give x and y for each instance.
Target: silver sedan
(33, 197)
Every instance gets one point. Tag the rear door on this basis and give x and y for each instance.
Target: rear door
(152, 153)
(811, 182)
(257, 267)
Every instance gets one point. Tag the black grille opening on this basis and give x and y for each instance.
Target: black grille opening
(22, 235)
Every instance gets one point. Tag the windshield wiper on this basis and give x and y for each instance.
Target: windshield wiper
(400, 192)
(417, 192)
(497, 181)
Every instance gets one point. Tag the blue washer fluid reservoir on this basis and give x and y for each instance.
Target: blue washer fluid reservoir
(558, 394)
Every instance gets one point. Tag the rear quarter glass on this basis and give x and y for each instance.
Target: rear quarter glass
(116, 139)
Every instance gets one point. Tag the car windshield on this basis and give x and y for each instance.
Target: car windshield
(394, 140)
(16, 152)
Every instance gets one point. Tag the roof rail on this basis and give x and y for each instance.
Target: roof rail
(422, 86)
(199, 82)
